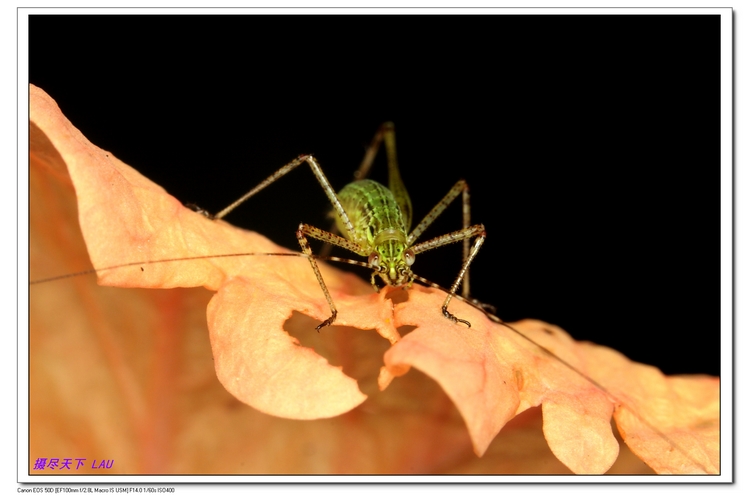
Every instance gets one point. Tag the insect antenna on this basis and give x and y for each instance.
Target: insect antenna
(161, 261)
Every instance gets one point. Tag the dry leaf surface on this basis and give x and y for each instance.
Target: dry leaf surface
(151, 373)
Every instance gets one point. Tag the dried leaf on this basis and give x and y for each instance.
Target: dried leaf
(490, 372)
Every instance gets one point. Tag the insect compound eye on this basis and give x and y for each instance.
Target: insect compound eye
(409, 257)
(373, 259)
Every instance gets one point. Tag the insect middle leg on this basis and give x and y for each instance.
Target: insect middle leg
(319, 175)
(459, 188)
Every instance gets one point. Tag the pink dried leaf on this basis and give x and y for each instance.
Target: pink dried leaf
(490, 372)
(492, 376)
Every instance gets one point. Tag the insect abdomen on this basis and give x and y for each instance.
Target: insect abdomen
(371, 208)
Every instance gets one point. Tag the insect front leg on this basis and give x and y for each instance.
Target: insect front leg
(477, 231)
(330, 238)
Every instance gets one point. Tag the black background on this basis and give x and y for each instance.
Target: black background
(590, 143)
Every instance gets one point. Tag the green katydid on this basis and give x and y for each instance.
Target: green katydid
(375, 221)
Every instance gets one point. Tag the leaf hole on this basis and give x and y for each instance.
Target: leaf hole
(359, 352)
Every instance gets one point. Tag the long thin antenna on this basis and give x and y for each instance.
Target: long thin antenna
(159, 261)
